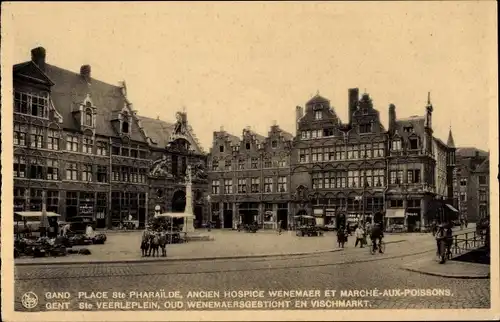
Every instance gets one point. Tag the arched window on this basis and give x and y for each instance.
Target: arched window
(88, 117)
(125, 127)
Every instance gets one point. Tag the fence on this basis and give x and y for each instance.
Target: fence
(467, 241)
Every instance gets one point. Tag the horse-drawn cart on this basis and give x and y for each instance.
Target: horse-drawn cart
(309, 231)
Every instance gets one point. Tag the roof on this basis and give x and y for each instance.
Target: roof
(157, 130)
(417, 122)
(450, 142)
(70, 88)
(160, 131)
(484, 167)
(287, 135)
(258, 136)
(317, 99)
(469, 152)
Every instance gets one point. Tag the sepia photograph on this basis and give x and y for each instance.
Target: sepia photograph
(249, 160)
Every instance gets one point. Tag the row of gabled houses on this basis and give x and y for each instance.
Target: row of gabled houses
(81, 148)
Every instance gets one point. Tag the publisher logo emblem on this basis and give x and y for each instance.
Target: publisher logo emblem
(29, 300)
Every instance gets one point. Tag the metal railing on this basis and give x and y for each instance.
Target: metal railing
(467, 241)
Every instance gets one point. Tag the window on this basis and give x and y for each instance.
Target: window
(378, 177)
(317, 180)
(227, 165)
(52, 170)
(463, 182)
(215, 187)
(482, 180)
(52, 200)
(282, 163)
(408, 129)
(87, 172)
(241, 164)
(329, 180)
(134, 153)
(71, 204)
(329, 154)
(353, 179)
(396, 145)
(341, 179)
(143, 154)
(88, 117)
(367, 178)
(366, 151)
(125, 152)
(378, 150)
(102, 173)
(274, 144)
(398, 203)
(247, 146)
(255, 163)
(365, 128)
(36, 169)
(306, 135)
(328, 132)
(340, 153)
(143, 175)
(115, 150)
(463, 196)
(317, 154)
(413, 143)
(268, 163)
(125, 174)
(396, 176)
(36, 137)
(482, 196)
(236, 148)
(318, 115)
(304, 155)
(268, 185)
(102, 148)
(215, 165)
(87, 145)
(255, 185)
(282, 184)
(36, 199)
(21, 103)
(125, 127)
(134, 175)
(31, 104)
(53, 140)
(221, 149)
(72, 171)
(414, 176)
(19, 166)
(72, 143)
(228, 186)
(352, 152)
(20, 132)
(242, 185)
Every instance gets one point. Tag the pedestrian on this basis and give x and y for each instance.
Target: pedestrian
(279, 226)
(360, 234)
(65, 230)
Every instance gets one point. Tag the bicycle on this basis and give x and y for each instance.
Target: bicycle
(373, 248)
(443, 252)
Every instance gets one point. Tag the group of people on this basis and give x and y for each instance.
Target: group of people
(374, 230)
(152, 241)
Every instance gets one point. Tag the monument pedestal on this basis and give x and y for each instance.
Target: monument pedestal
(188, 225)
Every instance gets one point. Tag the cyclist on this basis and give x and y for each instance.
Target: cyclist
(444, 233)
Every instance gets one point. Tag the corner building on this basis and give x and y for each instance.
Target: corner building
(81, 148)
(338, 167)
(250, 178)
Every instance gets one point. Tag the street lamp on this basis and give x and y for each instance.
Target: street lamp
(209, 199)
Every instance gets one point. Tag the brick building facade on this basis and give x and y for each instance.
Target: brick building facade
(81, 148)
(250, 178)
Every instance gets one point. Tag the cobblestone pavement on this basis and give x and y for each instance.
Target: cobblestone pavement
(349, 269)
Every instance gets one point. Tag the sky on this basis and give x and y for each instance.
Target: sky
(249, 64)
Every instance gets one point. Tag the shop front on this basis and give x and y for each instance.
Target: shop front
(413, 215)
(395, 219)
(330, 217)
(319, 217)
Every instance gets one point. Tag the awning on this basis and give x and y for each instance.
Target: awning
(29, 214)
(174, 215)
(452, 208)
(395, 213)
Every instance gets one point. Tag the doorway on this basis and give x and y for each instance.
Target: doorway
(228, 218)
(283, 217)
(178, 205)
(198, 215)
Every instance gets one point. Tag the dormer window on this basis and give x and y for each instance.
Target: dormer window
(274, 144)
(125, 127)
(408, 129)
(88, 117)
(31, 104)
(413, 143)
(365, 128)
(318, 115)
(396, 145)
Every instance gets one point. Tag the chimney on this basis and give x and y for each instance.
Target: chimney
(392, 117)
(353, 102)
(299, 113)
(85, 72)
(38, 57)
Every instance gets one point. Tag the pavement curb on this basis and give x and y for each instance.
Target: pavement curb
(173, 259)
(457, 276)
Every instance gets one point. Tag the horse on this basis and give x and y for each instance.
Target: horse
(145, 243)
(163, 243)
(154, 244)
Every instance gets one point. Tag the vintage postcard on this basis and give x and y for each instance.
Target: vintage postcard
(178, 161)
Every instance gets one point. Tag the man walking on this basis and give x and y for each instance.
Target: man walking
(279, 226)
(360, 235)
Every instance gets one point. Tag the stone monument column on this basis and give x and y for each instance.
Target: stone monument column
(188, 211)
